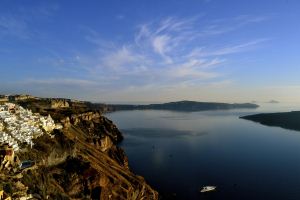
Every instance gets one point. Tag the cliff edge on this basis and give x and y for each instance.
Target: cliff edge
(79, 161)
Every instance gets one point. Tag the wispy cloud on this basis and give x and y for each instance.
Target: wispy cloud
(227, 25)
(161, 45)
(228, 49)
(166, 52)
(165, 55)
(121, 58)
(61, 82)
(238, 48)
(196, 69)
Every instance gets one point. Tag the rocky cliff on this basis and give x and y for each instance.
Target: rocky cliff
(82, 161)
(60, 103)
(99, 132)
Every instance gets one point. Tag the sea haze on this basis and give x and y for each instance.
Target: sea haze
(179, 152)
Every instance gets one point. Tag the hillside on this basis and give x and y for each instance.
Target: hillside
(80, 161)
(287, 120)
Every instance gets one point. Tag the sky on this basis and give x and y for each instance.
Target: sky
(151, 50)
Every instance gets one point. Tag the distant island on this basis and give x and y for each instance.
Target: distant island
(273, 101)
(287, 120)
(188, 106)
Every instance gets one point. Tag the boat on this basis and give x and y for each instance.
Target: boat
(208, 189)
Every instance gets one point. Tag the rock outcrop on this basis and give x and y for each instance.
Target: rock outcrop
(60, 103)
(99, 132)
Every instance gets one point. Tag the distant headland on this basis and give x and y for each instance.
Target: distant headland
(184, 106)
(287, 120)
(187, 106)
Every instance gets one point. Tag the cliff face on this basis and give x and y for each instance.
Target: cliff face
(59, 103)
(95, 125)
(60, 106)
(82, 161)
(99, 132)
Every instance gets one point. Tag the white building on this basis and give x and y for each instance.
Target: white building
(21, 125)
(1, 125)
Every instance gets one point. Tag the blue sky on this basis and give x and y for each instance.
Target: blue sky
(206, 50)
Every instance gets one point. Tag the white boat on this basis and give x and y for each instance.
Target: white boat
(208, 188)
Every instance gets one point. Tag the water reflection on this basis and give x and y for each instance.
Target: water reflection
(160, 133)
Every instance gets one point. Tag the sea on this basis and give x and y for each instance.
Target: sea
(180, 152)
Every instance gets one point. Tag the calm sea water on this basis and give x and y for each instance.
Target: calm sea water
(179, 152)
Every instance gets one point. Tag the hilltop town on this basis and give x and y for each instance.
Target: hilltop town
(19, 125)
(55, 148)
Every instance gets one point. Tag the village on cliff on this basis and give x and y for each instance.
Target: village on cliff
(19, 126)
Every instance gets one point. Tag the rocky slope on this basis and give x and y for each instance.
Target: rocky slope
(81, 161)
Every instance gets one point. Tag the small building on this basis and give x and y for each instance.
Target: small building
(48, 123)
(3, 108)
(58, 126)
(11, 107)
(6, 153)
(1, 125)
